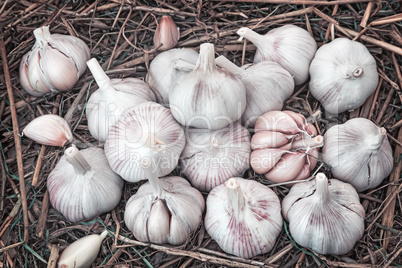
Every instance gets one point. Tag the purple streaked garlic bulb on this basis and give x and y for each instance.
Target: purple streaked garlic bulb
(82, 185)
(146, 131)
(324, 215)
(166, 34)
(243, 217)
(211, 157)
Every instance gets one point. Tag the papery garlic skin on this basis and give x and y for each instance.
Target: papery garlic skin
(54, 63)
(82, 185)
(146, 131)
(359, 153)
(290, 46)
(323, 215)
(82, 253)
(114, 96)
(243, 217)
(163, 71)
(49, 129)
(166, 34)
(211, 157)
(343, 75)
(207, 97)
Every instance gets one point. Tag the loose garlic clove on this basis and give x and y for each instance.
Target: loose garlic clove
(82, 253)
(359, 153)
(211, 157)
(323, 215)
(82, 185)
(49, 129)
(166, 34)
(290, 46)
(243, 217)
(343, 75)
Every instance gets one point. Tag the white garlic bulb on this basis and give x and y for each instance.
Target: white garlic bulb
(114, 96)
(163, 71)
(267, 84)
(165, 210)
(49, 129)
(290, 46)
(323, 215)
(243, 217)
(207, 97)
(359, 153)
(54, 63)
(82, 185)
(82, 253)
(166, 34)
(146, 131)
(343, 75)
(211, 157)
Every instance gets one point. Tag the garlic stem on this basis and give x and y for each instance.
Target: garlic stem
(322, 191)
(224, 63)
(156, 185)
(42, 35)
(184, 65)
(235, 194)
(317, 141)
(214, 141)
(77, 160)
(354, 72)
(255, 38)
(206, 59)
(104, 234)
(375, 142)
(99, 75)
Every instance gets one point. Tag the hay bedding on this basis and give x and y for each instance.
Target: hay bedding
(119, 34)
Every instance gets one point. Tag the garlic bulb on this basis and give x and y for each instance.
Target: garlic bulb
(267, 84)
(285, 146)
(290, 46)
(343, 75)
(163, 71)
(165, 210)
(146, 131)
(49, 129)
(359, 153)
(323, 215)
(207, 97)
(211, 157)
(243, 217)
(113, 97)
(82, 185)
(82, 253)
(54, 63)
(166, 34)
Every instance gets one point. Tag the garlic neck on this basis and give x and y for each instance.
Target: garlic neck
(214, 141)
(104, 234)
(154, 181)
(184, 65)
(375, 142)
(224, 63)
(236, 199)
(306, 143)
(42, 35)
(206, 59)
(258, 40)
(77, 160)
(99, 75)
(322, 191)
(354, 72)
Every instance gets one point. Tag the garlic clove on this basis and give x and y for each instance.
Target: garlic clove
(158, 223)
(287, 168)
(265, 159)
(277, 120)
(178, 231)
(166, 34)
(265, 138)
(24, 81)
(49, 129)
(36, 78)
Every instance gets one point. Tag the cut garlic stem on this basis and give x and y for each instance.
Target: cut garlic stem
(252, 36)
(206, 59)
(358, 72)
(77, 160)
(317, 141)
(99, 75)
(156, 185)
(214, 141)
(224, 63)
(322, 191)
(375, 142)
(42, 35)
(184, 65)
(236, 199)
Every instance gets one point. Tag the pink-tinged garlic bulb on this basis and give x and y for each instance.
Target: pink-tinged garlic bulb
(207, 97)
(82, 185)
(290, 46)
(243, 217)
(164, 71)
(146, 131)
(359, 153)
(165, 210)
(285, 146)
(49, 129)
(211, 157)
(166, 34)
(54, 63)
(114, 96)
(267, 84)
(323, 215)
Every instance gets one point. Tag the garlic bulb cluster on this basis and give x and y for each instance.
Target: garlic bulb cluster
(267, 84)
(49, 129)
(54, 63)
(243, 217)
(207, 97)
(323, 215)
(285, 147)
(163, 70)
(290, 46)
(359, 153)
(211, 157)
(82, 185)
(146, 131)
(114, 96)
(343, 75)
(165, 210)
(82, 253)
(166, 34)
